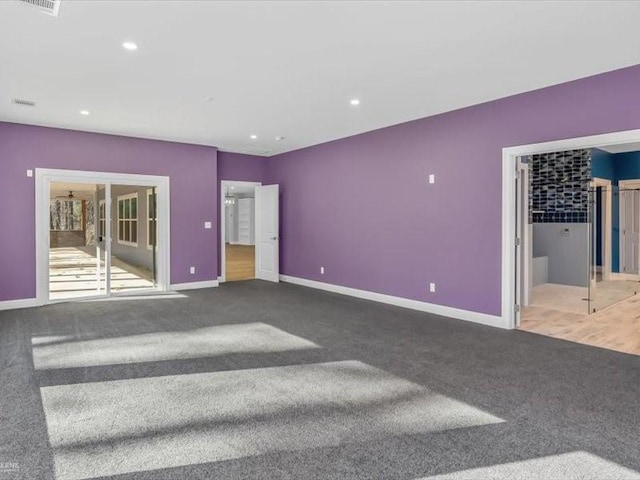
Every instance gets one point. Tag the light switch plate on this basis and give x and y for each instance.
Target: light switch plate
(29, 173)
(432, 178)
(207, 224)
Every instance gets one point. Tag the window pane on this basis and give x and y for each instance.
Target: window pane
(121, 209)
(134, 231)
(152, 233)
(134, 208)
(121, 230)
(127, 208)
(127, 235)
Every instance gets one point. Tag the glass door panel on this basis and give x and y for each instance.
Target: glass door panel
(76, 249)
(133, 246)
(615, 245)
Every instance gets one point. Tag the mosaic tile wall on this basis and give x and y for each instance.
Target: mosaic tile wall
(559, 187)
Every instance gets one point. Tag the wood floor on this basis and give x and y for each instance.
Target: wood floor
(240, 262)
(73, 273)
(583, 300)
(615, 328)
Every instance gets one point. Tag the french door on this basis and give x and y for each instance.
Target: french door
(100, 234)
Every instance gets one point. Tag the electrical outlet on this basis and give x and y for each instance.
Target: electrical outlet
(432, 287)
(192, 270)
(29, 173)
(207, 225)
(321, 270)
(432, 178)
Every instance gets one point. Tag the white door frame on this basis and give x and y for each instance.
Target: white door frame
(606, 229)
(622, 184)
(223, 250)
(44, 177)
(509, 156)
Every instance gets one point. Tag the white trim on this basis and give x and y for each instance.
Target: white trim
(122, 198)
(509, 155)
(223, 189)
(625, 276)
(45, 176)
(606, 228)
(475, 317)
(194, 285)
(149, 195)
(21, 303)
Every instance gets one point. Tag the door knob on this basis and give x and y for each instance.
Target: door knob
(274, 238)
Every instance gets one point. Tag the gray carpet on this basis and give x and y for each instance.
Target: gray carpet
(261, 381)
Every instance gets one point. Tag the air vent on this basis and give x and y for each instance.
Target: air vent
(50, 7)
(255, 151)
(26, 103)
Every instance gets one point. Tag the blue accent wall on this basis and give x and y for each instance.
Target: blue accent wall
(627, 166)
(602, 164)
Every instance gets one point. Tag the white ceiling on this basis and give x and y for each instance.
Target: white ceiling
(290, 68)
(622, 148)
(81, 191)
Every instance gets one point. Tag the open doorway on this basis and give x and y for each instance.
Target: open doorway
(239, 246)
(100, 234)
(573, 229)
(249, 231)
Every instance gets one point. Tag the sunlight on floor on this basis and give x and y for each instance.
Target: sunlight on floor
(108, 428)
(151, 347)
(73, 273)
(566, 466)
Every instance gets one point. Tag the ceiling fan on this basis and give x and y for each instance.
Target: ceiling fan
(69, 196)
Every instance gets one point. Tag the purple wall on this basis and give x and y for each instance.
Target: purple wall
(239, 167)
(192, 170)
(362, 208)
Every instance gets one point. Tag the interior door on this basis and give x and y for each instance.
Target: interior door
(267, 210)
(630, 229)
(522, 238)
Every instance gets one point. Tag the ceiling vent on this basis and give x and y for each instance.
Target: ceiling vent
(255, 151)
(50, 7)
(25, 103)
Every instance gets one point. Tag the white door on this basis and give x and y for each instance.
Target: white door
(267, 233)
(523, 283)
(630, 230)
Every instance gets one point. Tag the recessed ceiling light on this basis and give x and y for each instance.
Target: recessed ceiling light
(208, 99)
(253, 137)
(279, 138)
(129, 46)
(354, 102)
(84, 112)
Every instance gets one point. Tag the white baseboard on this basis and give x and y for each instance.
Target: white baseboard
(476, 317)
(625, 276)
(220, 280)
(194, 285)
(22, 303)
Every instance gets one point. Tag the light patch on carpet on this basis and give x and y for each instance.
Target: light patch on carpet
(151, 347)
(40, 340)
(108, 428)
(567, 466)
